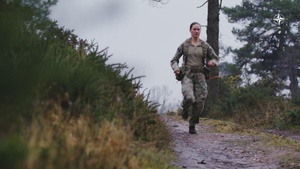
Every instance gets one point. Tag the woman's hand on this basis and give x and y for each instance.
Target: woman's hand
(211, 64)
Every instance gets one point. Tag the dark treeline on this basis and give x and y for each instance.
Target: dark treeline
(270, 56)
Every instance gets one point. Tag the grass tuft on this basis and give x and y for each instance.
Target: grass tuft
(61, 141)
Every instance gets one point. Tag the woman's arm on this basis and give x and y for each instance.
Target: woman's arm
(175, 59)
(213, 59)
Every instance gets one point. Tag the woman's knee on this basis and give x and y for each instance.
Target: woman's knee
(189, 100)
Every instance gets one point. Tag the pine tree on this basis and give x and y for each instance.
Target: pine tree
(270, 49)
(213, 40)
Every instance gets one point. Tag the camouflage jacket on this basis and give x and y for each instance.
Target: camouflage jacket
(193, 57)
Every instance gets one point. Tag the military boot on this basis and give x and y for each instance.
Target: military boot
(192, 130)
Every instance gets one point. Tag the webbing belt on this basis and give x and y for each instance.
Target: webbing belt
(196, 70)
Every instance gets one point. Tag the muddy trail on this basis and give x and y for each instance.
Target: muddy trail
(209, 149)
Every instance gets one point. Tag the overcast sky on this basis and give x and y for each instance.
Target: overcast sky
(145, 36)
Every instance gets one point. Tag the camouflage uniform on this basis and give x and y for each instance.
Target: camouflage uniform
(193, 85)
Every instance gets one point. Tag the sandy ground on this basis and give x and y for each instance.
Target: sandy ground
(209, 149)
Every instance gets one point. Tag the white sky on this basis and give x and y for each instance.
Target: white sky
(143, 36)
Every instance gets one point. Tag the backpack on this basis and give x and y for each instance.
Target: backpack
(206, 70)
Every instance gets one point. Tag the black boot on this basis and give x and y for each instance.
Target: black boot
(192, 130)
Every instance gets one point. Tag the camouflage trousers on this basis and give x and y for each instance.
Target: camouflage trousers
(194, 91)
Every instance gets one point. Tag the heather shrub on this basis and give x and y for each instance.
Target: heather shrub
(63, 106)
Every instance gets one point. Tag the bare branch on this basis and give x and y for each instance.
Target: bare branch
(159, 1)
(203, 4)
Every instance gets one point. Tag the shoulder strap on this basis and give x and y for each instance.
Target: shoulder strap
(205, 49)
(205, 52)
(185, 49)
(204, 45)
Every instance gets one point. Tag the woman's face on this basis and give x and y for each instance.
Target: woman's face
(195, 31)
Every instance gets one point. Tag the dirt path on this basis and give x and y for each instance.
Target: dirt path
(209, 149)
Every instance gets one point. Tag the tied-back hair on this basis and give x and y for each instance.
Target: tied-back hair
(194, 23)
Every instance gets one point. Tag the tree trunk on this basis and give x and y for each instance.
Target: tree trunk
(213, 40)
(294, 84)
(293, 56)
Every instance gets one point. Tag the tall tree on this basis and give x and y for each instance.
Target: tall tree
(212, 32)
(213, 39)
(270, 49)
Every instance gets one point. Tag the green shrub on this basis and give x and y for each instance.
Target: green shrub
(296, 101)
(45, 72)
(12, 153)
(255, 105)
(294, 116)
